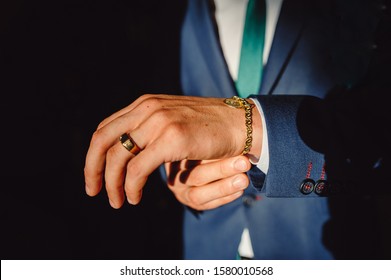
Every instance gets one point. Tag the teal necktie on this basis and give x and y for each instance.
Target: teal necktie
(251, 55)
(251, 61)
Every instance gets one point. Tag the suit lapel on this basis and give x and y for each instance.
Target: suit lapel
(286, 38)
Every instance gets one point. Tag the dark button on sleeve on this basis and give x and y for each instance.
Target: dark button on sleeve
(307, 186)
(321, 187)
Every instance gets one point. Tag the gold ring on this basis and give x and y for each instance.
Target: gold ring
(129, 144)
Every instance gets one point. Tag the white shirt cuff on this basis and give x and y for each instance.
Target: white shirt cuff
(263, 161)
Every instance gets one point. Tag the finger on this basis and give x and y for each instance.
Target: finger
(107, 137)
(102, 140)
(117, 159)
(138, 170)
(216, 190)
(210, 196)
(95, 163)
(159, 131)
(203, 171)
(159, 149)
(219, 202)
(211, 171)
(156, 153)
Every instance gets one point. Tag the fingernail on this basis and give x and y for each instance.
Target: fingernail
(239, 183)
(130, 201)
(240, 165)
(112, 204)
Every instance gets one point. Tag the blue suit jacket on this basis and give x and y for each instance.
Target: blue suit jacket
(312, 52)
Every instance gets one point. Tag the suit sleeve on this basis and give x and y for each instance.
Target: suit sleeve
(343, 139)
(324, 147)
(290, 157)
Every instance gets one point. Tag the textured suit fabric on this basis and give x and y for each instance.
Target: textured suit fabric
(307, 52)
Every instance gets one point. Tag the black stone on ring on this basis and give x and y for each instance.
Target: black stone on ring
(129, 143)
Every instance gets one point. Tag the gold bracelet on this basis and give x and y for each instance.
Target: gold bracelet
(238, 103)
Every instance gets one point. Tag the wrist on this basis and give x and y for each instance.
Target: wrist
(256, 147)
(252, 126)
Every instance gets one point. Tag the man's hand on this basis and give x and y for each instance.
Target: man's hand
(167, 129)
(208, 184)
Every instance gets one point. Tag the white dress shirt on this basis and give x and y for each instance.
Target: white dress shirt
(230, 16)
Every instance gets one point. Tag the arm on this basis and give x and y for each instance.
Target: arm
(340, 141)
(172, 128)
(167, 129)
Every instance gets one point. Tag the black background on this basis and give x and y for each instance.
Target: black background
(64, 67)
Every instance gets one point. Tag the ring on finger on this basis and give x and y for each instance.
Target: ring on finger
(129, 144)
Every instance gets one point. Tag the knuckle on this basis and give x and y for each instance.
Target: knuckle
(176, 131)
(225, 168)
(97, 138)
(142, 98)
(146, 96)
(162, 116)
(174, 136)
(134, 169)
(179, 197)
(193, 198)
(224, 189)
(196, 179)
(111, 154)
(137, 172)
(150, 102)
(87, 174)
(102, 124)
